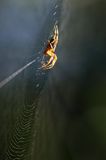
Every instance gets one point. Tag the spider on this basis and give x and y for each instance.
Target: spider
(50, 50)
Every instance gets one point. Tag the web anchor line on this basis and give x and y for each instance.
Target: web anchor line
(12, 76)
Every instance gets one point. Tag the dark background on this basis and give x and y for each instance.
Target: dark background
(65, 117)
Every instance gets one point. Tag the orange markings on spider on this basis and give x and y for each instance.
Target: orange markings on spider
(50, 50)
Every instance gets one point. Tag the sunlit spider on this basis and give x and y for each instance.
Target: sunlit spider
(50, 50)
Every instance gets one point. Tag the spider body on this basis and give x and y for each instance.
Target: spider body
(50, 50)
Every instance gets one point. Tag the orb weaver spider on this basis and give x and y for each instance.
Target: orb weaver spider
(50, 50)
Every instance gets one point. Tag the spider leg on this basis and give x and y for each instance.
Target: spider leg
(50, 60)
(52, 64)
(56, 32)
(44, 65)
